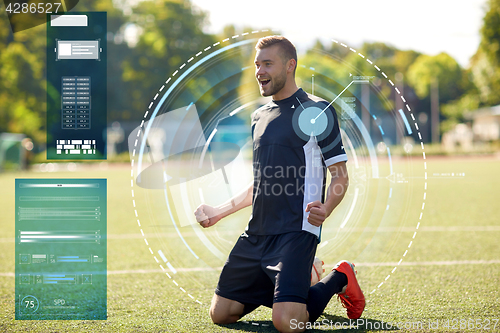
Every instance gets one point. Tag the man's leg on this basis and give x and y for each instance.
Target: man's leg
(321, 293)
(290, 316)
(288, 261)
(225, 311)
(341, 280)
(241, 279)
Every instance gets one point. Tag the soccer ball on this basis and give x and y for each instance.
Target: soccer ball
(317, 271)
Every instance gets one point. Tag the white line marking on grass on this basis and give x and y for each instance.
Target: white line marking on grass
(465, 228)
(359, 264)
(424, 263)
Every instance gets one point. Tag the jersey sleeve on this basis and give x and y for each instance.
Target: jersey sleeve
(331, 145)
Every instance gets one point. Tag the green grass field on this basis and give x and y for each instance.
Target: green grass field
(450, 274)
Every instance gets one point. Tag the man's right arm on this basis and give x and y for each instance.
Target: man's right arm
(207, 215)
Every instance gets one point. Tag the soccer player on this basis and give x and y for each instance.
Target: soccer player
(271, 262)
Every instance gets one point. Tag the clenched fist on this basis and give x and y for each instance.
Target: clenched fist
(206, 215)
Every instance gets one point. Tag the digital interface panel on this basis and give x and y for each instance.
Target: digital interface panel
(77, 81)
(61, 249)
(75, 102)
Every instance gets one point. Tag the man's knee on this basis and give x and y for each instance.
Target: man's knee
(289, 317)
(219, 316)
(225, 311)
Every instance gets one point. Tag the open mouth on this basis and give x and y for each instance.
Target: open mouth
(264, 82)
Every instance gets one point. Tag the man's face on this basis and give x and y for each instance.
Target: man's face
(270, 71)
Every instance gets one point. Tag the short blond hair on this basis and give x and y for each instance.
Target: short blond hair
(288, 50)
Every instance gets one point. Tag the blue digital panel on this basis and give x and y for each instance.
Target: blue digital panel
(61, 248)
(76, 86)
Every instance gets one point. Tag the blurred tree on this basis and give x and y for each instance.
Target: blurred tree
(484, 75)
(170, 32)
(228, 31)
(118, 50)
(22, 88)
(325, 66)
(338, 63)
(402, 60)
(450, 82)
(378, 50)
(248, 88)
(145, 46)
(490, 32)
(23, 72)
(334, 49)
(454, 111)
(485, 64)
(451, 77)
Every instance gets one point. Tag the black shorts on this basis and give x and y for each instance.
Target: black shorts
(262, 270)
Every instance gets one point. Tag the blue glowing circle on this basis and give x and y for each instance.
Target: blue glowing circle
(313, 121)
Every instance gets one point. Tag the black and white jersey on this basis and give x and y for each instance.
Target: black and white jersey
(290, 165)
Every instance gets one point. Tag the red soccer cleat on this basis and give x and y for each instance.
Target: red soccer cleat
(352, 299)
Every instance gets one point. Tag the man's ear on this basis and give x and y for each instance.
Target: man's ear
(291, 65)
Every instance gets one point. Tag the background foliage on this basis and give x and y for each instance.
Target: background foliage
(170, 31)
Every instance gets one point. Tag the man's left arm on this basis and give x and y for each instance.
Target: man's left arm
(318, 212)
